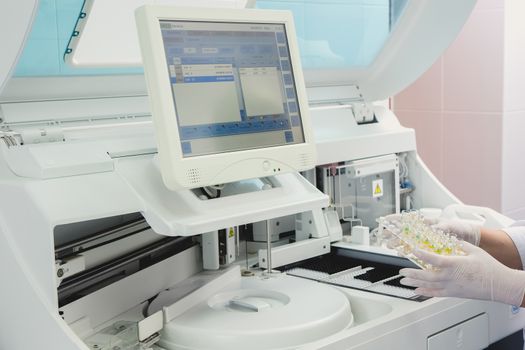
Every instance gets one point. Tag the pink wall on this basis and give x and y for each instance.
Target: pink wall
(457, 109)
(513, 182)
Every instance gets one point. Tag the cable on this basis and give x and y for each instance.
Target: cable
(403, 168)
(9, 138)
(214, 191)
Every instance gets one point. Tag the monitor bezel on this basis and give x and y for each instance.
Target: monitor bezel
(179, 171)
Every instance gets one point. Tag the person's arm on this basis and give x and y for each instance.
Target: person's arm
(498, 244)
(507, 245)
(476, 275)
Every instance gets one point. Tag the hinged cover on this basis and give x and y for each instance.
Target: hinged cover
(182, 213)
(417, 39)
(424, 30)
(105, 34)
(415, 42)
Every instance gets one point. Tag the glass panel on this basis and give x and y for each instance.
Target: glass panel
(332, 34)
(340, 33)
(396, 9)
(43, 54)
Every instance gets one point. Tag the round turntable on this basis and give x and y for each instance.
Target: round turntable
(281, 312)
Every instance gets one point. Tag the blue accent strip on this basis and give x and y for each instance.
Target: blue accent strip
(175, 51)
(292, 106)
(288, 136)
(206, 60)
(234, 128)
(208, 79)
(283, 52)
(285, 65)
(280, 37)
(186, 147)
(287, 79)
(296, 121)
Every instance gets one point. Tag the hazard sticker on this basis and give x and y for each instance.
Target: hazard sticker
(377, 188)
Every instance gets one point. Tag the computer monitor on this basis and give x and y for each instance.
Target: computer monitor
(226, 92)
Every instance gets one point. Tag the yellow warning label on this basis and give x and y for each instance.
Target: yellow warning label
(377, 188)
(231, 233)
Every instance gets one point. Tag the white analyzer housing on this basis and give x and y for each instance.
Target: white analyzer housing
(98, 252)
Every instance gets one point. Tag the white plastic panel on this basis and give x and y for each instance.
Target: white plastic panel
(26, 295)
(150, 325)
(107, 36)
(425, 29)
(73, 87)
(74, 110)
(16, 18)
(338, 136)
(471, 334)
(181, 213)
(53, 160)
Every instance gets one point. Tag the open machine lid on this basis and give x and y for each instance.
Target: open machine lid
(397, 40)
(381, 46)
(46, 87)
(426, 29)
(101, 36)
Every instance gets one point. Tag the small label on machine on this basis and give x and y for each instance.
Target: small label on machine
(377, 188)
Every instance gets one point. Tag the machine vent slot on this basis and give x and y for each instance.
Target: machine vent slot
(193, 176)
(305, 160)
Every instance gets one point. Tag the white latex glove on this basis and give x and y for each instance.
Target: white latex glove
(476, 275)
(462, 229)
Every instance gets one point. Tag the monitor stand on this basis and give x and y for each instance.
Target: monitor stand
(183, 213)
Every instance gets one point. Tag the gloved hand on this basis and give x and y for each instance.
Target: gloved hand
(463, 230)
(476, 275)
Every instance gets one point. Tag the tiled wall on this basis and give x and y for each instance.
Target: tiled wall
(513, 184)
(457, 110)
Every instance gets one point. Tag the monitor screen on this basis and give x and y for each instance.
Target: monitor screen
(232, 86)
(227, 94)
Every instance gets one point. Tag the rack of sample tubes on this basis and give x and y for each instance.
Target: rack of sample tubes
(409, 231)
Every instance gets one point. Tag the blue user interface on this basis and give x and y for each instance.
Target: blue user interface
(233, 86)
